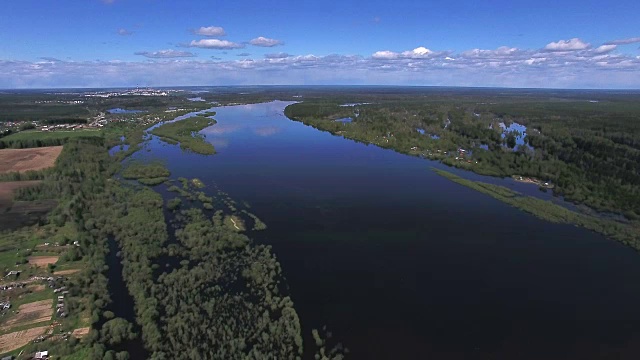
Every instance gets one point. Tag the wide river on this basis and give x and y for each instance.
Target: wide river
(400, 263)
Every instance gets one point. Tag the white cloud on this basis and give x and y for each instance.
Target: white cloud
(165, 54)
(265, 42)
(624, 41)
(597, 67)
(502, 51)
(280, 55)
(124, 32)
(603, 49)
(534, 61)
(385, 55)
(417, 53)
(574, 44)
(214, 44)
(213, 31)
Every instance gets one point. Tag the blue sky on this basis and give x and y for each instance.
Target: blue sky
(89, 43)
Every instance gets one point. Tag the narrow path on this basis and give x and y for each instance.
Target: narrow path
(234, 224)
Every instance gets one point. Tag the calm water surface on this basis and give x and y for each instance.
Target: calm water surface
(400, 263)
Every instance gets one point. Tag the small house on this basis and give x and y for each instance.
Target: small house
(41, 355)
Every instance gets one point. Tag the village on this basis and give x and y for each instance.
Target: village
(39, 268)
(34, 304)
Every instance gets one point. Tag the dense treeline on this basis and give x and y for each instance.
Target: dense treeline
(240, 288)
(223, 301)
(589, 151)
(31, 143)
(40, 139)
(24, 175)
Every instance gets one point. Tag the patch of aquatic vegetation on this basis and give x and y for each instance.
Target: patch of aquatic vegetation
(257, 223)
(235, 223)
(234, 215)
(197, 183)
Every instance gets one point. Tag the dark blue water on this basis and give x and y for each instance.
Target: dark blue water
(114, 150)
(520, 132)
(121, 302)
(400, 263)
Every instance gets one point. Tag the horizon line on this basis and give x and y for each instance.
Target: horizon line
(323, 85)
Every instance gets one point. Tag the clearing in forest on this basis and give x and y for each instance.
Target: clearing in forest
(78, 333)
(18, 339)
(66, 272)
(19, 160)
(42, 261)
(29, 314)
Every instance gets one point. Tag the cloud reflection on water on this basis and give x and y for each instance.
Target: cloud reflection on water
(219, 129)
(267, 130)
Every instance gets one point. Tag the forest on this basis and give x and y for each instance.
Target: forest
(30, 139)
(589, 150)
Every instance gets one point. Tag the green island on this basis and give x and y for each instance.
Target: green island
(197, 183)
(147, 174)
(185, 132)
(207, 113)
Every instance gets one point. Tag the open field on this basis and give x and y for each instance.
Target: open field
(30, 313)
(18, 339)
(66, 272)
(79, 333)
(36, 288)
(42, 260)
(19, 160)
